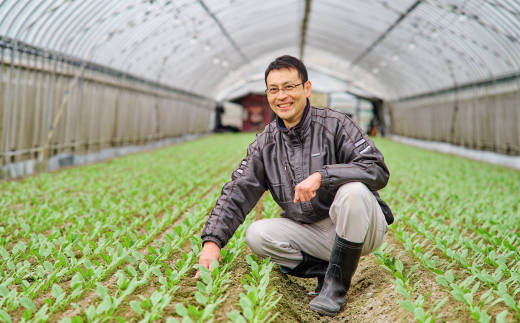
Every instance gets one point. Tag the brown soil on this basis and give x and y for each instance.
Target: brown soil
(372, 296)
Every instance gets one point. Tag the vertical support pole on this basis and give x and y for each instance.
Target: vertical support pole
(68, 112)
(59, 97)
(117, 119)
(45, 122)
(7, 107)
(38, 96)
(497, 123)
(77, 115)
(23, 131)
(14, 125)
(93, 95)
(518, 114)
(135, 128)
(50, 113)
(2, 143)
(101, 115)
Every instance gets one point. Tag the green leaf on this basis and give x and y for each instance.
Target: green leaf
(157, 272)
(248, 313)
(419, 314)
(120, 319)
(201, 287)
(4, 316)
(101, 290)
(403, 292)
(40, 271)
(407, 305)
(138, 255)
(214, 264)
(27, 315)
(76, 319)
(501, 318)
(152, 250)
(441, 281)
(233, 315)
(399, 266)
(27, 303)
(206, 278)
(4, 291)
(201, 298)
(181, 310)
(143, 267)
(449, 276)
(56, 291)
(136, 306)
(48, 266)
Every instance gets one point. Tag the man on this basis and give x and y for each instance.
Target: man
(324, 172)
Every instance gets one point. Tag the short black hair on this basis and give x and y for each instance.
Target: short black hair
(289, 62)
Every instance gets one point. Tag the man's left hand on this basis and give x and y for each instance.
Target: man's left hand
(306, 190)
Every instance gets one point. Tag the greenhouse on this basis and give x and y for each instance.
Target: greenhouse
(259, 161)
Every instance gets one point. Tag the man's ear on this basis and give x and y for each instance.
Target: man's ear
(308, 88)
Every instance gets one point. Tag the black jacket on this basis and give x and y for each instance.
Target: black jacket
(324, 141)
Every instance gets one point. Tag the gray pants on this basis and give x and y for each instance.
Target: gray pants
(355, 216)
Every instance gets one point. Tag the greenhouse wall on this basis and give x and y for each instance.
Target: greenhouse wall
(484, 117)
(93, 108)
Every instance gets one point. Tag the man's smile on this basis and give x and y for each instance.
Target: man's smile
(285, 106)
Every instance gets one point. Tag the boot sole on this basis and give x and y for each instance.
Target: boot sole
(323, 311)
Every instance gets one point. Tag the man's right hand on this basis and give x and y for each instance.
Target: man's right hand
(210, 251)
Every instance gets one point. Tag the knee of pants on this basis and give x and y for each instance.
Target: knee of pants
(353, 191)
(351, 211)
(255, 239)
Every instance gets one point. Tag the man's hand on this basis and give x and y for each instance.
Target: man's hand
(306, 190)
(210, 251)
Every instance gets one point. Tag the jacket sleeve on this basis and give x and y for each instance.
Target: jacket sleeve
(238, 198)
(358, 160)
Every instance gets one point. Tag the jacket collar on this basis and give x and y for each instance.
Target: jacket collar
(301, 127)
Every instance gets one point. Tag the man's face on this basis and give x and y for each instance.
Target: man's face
(288, 105)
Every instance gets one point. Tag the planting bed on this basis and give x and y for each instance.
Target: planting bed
(119, 242)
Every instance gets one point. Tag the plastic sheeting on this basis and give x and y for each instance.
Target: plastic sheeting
(396, 48)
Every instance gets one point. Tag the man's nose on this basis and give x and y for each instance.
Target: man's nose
(281, 95)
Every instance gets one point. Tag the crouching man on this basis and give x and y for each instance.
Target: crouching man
(324, 172)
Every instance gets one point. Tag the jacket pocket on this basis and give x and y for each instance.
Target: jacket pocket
(280, 192)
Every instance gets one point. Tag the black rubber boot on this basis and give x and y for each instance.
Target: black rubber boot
(343, 263)
(309, 267)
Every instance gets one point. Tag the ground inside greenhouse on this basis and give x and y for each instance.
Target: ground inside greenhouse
(373, 296)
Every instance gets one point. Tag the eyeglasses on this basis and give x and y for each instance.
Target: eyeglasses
(286, 89)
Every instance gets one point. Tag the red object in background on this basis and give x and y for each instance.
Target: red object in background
(257, 112)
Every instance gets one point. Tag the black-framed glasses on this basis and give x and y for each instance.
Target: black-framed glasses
(286, 88)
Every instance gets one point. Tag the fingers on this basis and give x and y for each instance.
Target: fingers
(303, 194)
(296, 195)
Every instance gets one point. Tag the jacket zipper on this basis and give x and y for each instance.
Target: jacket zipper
(288, 178)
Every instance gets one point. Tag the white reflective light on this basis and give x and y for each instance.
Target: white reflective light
(411, 46)
(225, 63)
(193, 41)
(375, 70)
(383, 64)
(207, 48)
(176, 22)
(395, 58)
(216, 60)
(463, 18)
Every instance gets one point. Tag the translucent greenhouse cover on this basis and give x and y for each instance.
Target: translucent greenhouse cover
(392, 49)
